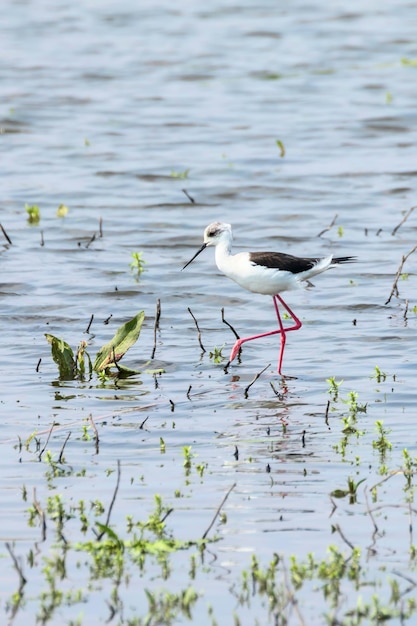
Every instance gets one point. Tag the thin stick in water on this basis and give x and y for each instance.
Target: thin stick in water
(61, 454)
(394, 290)
(219, 508)
(87, 330)
(198, 330)
(255, 379)
(96, 437)
(6, 235)
(17, 566)
(229, 325)
(156, 326)
(405, 218)
(116, 489)
(332, 223)
(188, 196)
(47, 440)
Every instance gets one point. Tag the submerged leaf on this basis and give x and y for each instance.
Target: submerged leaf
(63, 356)
(124, 339)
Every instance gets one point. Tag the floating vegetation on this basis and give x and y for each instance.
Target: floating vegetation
(281, 148)
(34, 214)
(62, 210)
(181, 175)
(80, 365)
(137, 266)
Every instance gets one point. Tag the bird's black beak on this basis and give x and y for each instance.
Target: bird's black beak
(203, 247)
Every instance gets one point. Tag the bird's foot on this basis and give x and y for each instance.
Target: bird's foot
(235, 350)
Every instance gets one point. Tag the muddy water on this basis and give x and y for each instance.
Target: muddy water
(114, 111)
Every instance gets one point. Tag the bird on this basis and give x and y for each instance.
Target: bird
(267, 273)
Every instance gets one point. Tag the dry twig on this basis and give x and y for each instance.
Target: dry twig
(394, 290)
(116, 489)
(229, 325)
(198, 330)
(255, 379)
(405, 218)
(47, 441)
(61, 454)
(219, 508)
(156, 326)
(332, 223)
(5, 234)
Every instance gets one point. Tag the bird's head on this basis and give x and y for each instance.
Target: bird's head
(213, 234)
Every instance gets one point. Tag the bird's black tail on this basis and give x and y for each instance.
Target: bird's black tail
(344, 259)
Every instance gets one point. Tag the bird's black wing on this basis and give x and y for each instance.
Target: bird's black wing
(282, 261)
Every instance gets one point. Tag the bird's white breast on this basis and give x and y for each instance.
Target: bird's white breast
(253, 277)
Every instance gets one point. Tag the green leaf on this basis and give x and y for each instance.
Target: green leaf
(124, 339)
(62, 210)
(281, 148)
(63, 356)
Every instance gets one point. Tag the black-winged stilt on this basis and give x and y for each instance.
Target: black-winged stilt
(268, 273)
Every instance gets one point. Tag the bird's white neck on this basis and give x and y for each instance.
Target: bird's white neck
(222, 254)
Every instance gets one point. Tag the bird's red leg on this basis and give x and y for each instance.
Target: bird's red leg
(281, 330)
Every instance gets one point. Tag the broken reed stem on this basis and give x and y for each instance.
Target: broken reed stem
(343, 536)
(116, 489)
(6, 236)
(87, 330)
(198, 330)
(405, 218)
(96, 437)
(368, 509)
(255, 379)
(332, 223)
(229, 325)
(47, 441)
(156, 326)
(406, 310)
(278, 394)
(394, 290)
(114, 360)
(61, 454)
(41, 514)
(17, 566)
(326, 415)
(188, 196)
(100, 227)
(144, 422)
(219, 508)
(88, 244)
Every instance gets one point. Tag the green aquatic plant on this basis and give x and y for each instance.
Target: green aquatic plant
(34, 214)
(281, 148)
(72, 367)
(333, 387)
(182, 175)
(216, 354)
(62, 210)
(138, 263)
(379, 375)
(351, 491)
(382, 444)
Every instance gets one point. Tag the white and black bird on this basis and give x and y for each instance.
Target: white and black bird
(268, 273)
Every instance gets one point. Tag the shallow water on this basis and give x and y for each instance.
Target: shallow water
(114, 111)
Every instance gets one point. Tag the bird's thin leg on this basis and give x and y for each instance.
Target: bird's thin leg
(291, 313)
(283, 330)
